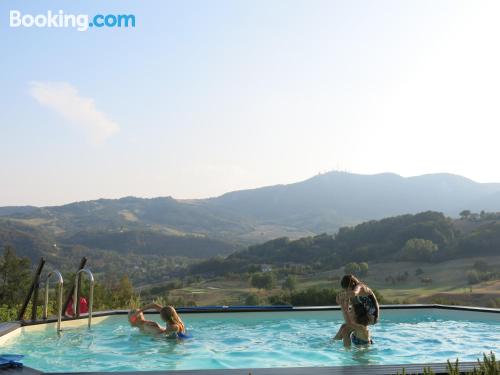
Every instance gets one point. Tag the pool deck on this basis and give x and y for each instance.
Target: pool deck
(438, 368)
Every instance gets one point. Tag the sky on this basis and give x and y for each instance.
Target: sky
(205, 97)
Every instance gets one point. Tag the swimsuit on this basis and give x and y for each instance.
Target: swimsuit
(357, 341)
(178, 335)
(370, 305)
(181, 335)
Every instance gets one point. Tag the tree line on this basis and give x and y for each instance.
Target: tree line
(427, 236)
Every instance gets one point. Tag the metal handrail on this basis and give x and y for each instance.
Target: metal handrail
(91, 295)
(60, 283)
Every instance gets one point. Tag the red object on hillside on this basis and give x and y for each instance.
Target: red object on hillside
(84, 307)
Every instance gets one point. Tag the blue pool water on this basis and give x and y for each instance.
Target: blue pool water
(270, 339)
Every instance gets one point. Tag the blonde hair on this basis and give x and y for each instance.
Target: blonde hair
(133, 317)
(169, 315)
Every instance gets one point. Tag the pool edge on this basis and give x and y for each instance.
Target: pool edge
(418, 368)
(10, 329)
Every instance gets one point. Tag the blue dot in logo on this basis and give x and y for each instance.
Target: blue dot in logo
(91, 24)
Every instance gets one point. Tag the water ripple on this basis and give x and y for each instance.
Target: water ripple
(259, 340)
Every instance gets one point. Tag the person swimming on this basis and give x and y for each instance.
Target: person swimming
(175, 327)
(136, 319)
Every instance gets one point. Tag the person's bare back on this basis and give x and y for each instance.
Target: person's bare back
(136, 319)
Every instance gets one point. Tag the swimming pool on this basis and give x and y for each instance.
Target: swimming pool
(258, 340)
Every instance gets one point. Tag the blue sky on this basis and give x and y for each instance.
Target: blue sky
(205, 97)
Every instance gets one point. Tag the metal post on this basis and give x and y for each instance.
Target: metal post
(34, 284)
(76, 301)
(60, 283)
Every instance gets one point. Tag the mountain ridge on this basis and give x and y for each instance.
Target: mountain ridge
(321, 203)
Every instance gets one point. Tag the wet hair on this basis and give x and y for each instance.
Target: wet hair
(166, 313)
(349, 282)
(169, 315)
(361, 314)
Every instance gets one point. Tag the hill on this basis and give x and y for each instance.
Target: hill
(151, 243)
(321, 204)
(424, 237)
(328, 201)
(145, 256)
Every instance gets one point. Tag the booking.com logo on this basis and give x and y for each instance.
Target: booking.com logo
(81, 22)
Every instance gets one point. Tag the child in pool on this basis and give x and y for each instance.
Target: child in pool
(175, 327)
(136, 319)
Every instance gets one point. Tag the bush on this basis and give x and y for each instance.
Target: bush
(263, 280)
(314, 297)
(472, 277)
(252, 300)
(357, 269)
(418, 249)
(290, 283)
(310, 297)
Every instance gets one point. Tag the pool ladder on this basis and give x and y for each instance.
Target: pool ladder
(91, 293)
(60, 283)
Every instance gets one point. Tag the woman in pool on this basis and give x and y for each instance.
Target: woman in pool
(359, 293)
(360, 299)
(355, 329)
(175, 327)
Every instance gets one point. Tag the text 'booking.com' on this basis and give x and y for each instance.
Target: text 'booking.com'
(80, 22)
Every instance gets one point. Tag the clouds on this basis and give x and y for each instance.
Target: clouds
(64, 99)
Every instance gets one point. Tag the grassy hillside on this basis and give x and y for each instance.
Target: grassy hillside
(449, 285)
(427, 236)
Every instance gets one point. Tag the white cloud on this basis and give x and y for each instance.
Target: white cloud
(63, 98)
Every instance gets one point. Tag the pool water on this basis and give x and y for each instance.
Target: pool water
(256, 340)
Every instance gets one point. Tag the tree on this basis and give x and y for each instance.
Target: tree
(290, 283)
(465, 214)
(363, 268)
(473, 277)
(352, 268)
(418, 249)
(15, 277)
(263, 280)
(124, 292)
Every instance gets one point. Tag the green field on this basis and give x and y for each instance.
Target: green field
(446, 283)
